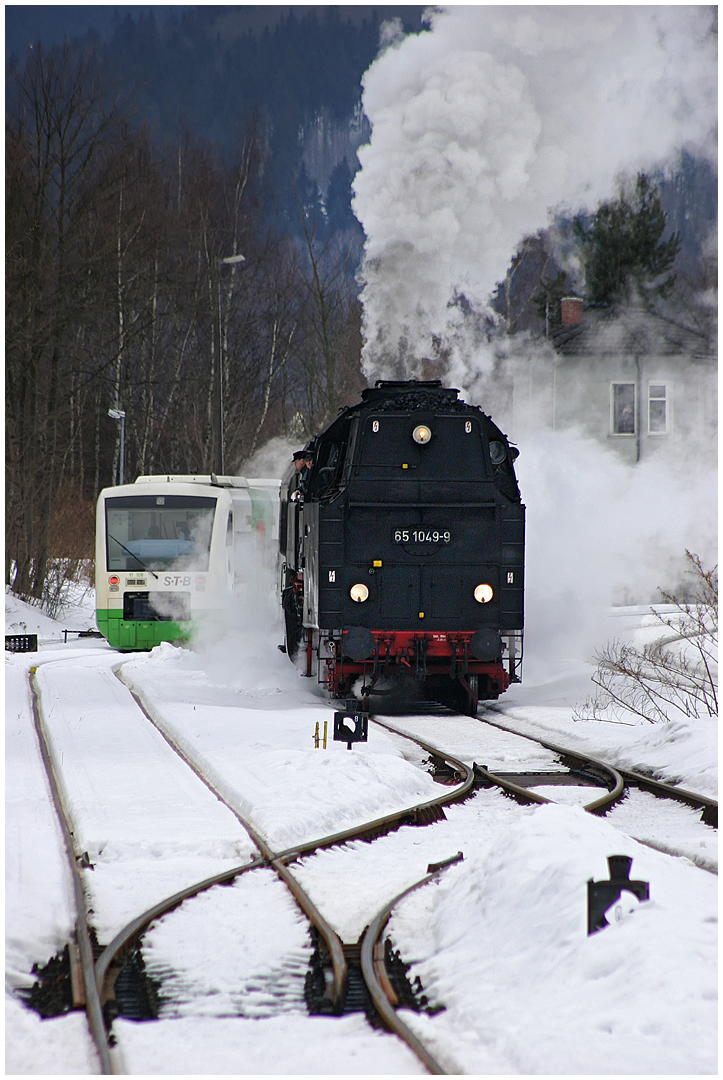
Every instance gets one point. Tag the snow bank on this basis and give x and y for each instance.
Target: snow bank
(502, 942)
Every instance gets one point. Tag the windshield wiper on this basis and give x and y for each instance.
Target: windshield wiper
(133, 556)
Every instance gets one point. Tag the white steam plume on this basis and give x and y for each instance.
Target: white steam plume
(601, 532)
(483, 124)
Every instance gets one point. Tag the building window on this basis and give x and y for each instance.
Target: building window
(657, 409)
(623, 408)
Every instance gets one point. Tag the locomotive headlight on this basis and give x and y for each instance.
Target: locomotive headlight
(359, 593)
(421, 434)
(483, 594)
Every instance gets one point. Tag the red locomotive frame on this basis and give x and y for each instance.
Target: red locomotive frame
(426, 654)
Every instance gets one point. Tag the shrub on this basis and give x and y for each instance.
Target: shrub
(676, 674)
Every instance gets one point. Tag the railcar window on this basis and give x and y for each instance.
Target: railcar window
(159, 532)
(454, 451)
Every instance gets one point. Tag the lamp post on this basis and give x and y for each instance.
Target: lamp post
(232, 260)
(119, 414)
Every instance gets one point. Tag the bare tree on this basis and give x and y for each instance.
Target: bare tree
(674, 675)
(116, 295)
(330, 306)
(53, 165)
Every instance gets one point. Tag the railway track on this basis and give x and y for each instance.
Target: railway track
(85, 988)
(629, 777)
(562, 767)
(460, 780)
(101, 973)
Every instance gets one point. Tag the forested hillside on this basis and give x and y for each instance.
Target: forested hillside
(204, 71)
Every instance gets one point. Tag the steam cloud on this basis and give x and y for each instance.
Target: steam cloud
(480, 128)
(484, 124)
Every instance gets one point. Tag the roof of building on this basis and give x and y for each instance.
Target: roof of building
(627, 330)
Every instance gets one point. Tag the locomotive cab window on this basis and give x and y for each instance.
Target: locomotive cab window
(326, 467)
(330, 460)
(159, 532)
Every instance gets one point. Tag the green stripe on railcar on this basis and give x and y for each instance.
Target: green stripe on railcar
(139, 636)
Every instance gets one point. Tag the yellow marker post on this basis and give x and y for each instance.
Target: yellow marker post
(316, 736)
(325, 723)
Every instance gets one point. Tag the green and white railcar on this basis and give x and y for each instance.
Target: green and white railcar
(171, 552)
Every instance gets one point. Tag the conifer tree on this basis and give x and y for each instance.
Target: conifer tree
(622, 247)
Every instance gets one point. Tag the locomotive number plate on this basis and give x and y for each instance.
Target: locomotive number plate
(421, 534)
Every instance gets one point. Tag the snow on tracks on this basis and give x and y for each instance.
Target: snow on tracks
(262, 759)
(148, 825)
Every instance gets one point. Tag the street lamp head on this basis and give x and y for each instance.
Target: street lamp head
(232, 260)
(116, 414)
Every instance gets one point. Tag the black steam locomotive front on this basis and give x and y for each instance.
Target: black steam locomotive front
(403, 548)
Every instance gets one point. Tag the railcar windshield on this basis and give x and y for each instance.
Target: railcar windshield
(159, 532)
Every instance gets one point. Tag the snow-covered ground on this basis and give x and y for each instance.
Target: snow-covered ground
(77, 613)
(500, 940)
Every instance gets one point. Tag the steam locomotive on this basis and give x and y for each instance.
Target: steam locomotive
(402, 550)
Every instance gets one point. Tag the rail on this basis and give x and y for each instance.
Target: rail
(91, 993)
(372, 963)
(705, 803)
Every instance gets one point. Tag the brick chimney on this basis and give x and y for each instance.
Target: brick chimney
(571, 310)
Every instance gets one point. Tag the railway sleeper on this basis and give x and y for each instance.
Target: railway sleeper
(409, 995)
(52, 992)
(58, 988)
(319, 981)
(136, 994)
(553, 779)
(399, 989)
(665, 790)
(441, 771)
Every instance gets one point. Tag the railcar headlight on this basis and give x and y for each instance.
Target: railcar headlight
(422, 434)
(483, 594)
(359, 593)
